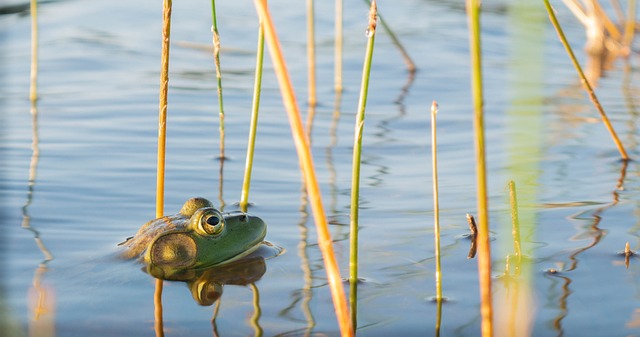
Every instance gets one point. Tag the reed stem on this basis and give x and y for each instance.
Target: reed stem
(257, 87)
(484, 252)
(162, 132)
(436, 205)
(162, 117)
(33, 90)
(357, 154)
(584, 81)
(436, 216)
(216, 58)
(306, 163)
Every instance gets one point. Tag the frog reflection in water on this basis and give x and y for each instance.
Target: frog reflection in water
(198, 236)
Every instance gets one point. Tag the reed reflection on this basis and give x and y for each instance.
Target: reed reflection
(593, 231)
(305, 295)
(41, 296)
(206, 285)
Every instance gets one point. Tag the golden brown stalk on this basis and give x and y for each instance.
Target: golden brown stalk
(306, 163)
(162, 131)
(162, 117)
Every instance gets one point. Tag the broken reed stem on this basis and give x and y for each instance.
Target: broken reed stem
(337, 74)
(257, 86)
(216, 58)
(585, 82)
(515, 222)
(436, 205)
(311, 55)
(357, 154)
(484, 252)
(306, 163)
(411, 66)
(33, 92)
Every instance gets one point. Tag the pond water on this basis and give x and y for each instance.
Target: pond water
(80, 177)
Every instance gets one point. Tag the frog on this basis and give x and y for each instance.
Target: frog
(198, 236)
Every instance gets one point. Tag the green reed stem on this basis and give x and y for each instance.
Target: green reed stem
(585, 82)
(33, 92)
(436, 216)
(216, 58)
(436, 205)
(484, 252)
(257, 87)
(337, 75)
(357, 154)
(306, 163)
(411, 66)
(311, 55)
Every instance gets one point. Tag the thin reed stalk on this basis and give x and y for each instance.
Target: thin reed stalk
(33, 90)
(484, 252)
(337, 75)
(216, 58)
(585, 82)
(357, 154)
(257, 87)
(311, 56)
(306, 163)
(436, 215)
(411, 66)
(436, 205)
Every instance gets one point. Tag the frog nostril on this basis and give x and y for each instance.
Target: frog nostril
(243, 218)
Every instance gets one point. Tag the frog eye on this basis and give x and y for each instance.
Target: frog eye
(212, 224)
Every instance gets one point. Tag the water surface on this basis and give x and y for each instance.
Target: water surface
(81, 176)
